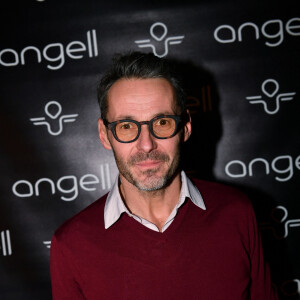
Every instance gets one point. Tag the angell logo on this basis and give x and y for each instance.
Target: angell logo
(272, 30)
(283, 166)
(68, 185)
(5, 243)
(53, 53)
(271, 99)
(160, 37)
(203, 103)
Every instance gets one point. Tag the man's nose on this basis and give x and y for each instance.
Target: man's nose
(146, 141)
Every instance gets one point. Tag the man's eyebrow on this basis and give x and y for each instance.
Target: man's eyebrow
(163, 114)
(128, 117)
(125, 117)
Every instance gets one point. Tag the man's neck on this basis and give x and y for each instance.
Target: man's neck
(154, 206)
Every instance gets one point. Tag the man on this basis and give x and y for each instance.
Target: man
(156, 235)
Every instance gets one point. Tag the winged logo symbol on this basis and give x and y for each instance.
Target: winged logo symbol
(287, 224)
(272, 101)
(61, 119)
(174, 40)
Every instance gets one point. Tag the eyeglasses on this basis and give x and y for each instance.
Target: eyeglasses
(128, 131)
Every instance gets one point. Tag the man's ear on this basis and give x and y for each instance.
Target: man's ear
(187, 126)
(103, 135)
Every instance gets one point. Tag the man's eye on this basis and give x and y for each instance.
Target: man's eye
(162, 122)
(126, 126)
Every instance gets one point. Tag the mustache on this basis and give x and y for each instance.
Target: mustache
(154, 155)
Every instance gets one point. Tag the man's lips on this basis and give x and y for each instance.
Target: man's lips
(149, 163)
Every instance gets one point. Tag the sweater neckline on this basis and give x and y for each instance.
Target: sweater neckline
(141, 229)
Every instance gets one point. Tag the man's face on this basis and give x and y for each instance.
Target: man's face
(148, 163)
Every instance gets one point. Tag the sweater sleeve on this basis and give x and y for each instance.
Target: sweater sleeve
(64, 285)
(261, 286)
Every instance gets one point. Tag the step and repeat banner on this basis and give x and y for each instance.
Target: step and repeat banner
(240, 66)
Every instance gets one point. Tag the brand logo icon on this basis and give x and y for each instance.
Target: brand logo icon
(271, 101)
(56, 109)
(280, 215)
(6, 243)
(47, 244)
(291, 287)
(161, 38)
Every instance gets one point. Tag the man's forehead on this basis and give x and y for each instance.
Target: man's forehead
(128, 98)
(141, 84)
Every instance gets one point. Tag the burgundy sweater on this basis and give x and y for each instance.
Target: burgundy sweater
(210, 255)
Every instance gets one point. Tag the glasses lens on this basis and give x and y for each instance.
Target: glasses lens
(126, 131)
(164, 127)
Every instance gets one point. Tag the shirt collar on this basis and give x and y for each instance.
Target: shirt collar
(115, 206)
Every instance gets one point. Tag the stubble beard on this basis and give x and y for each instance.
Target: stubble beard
(153, 181)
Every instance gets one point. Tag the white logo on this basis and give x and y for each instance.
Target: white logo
(291, 288)
(287, 224)
(174, 40)
(47, 244)
(56, 107)
(68, 185)
(5, 243)
(282, 165)
(272, 29)
(10, 57)
(270, 104)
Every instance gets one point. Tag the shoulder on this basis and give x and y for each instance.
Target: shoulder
(215, 188)
(228, 211)
(84, 221)
(222, 196)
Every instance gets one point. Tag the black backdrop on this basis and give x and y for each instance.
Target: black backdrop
(240, 66)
